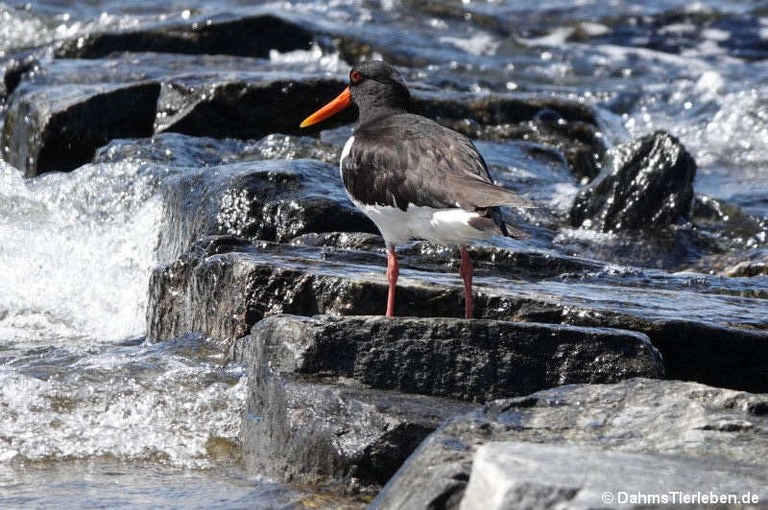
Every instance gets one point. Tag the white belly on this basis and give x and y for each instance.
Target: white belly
(441, 226)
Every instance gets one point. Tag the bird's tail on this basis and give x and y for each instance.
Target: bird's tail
(506, 229)
(511, 231)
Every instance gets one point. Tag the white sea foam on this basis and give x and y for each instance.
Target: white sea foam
(76, 253)
(479, 44)
(313, 59)
(125, 404)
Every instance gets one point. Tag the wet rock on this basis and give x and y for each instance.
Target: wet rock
(223, 292)
(509, 475)
(344, 240)
(318, 409)
(245, 109)
(307, 430)
(13, 68)
(252, 36)
(224, 295)
(309, 425)
(720, 355)
(723, 227)
(645, 184)
(60, 127)
(273, 200)
(720, 430)
(466, 360)
(59, 116)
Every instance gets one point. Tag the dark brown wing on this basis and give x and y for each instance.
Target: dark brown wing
(402, 160)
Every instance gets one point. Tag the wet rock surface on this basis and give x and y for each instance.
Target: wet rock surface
(319, 410)
(60, 128)
(255, 224)
(222, 288)
(508, 475)
(251, 36)
(310, 427)
(465, 360)
(696, 429)
(299, 431)
(265, 200)
(644, 184)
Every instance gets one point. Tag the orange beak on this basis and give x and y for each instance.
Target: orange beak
(342, 101)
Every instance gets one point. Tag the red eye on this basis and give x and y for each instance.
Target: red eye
(355, 76)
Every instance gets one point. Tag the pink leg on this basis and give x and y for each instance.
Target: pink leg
(393, 271)
(465, 270)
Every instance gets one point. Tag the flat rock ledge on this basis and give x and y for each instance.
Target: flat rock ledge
(565, 447)
(473, 361)
(334, 399)
(223, 286)
(508, 475)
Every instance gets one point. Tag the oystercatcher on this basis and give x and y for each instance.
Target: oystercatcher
(413, 177)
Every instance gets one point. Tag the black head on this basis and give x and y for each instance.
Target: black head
(376, 86)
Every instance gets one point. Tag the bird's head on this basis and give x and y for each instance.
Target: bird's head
(373, 85)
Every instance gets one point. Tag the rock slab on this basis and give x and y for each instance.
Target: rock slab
(473, 360)
(320, 400)
(58, 128)
(315, 428)
(507, 475)
(716, 427)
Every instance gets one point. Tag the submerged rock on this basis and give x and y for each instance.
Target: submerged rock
(720, 431)
(644, 184)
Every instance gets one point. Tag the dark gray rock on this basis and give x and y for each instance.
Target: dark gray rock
(221, 289)
(60, 127)
(644, 184)
(252, 36)
(468, 360)
(716, 428)
(245, 109)
(274, 200)
(302, 432)
(311, 430)
(720, 355)
(507, 475)
(13, 68)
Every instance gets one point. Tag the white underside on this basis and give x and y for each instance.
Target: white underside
(441, 226)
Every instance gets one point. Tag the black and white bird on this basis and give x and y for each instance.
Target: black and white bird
(414, 178)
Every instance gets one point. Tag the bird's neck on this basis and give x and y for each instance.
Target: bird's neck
(373, 112)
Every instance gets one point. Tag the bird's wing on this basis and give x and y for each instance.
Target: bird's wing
(418, 162)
